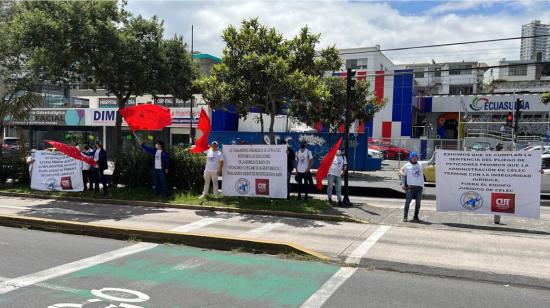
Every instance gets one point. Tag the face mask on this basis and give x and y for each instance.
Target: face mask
(339, 153)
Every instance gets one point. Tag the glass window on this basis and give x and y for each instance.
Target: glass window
(520, 70)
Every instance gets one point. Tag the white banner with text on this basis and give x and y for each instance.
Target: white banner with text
(494, 183)
(56, 171)
(255, 171)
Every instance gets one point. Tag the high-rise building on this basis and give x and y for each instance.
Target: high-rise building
(530, 47)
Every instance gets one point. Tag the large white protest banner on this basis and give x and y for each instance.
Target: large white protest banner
(495, 183)
(255, 170)
(56, 171)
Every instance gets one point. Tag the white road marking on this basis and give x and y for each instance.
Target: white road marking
(27, 280)
(9, 285)
(15, 207)
(362, 249)
(330, 286)
(197, 224)
(262, 230)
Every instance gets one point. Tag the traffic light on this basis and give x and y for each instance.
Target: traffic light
(509, 119)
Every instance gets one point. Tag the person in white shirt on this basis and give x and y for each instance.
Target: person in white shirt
(214, 163)
(87, 173)
(335, 175)
(303, 170)
(412, 182)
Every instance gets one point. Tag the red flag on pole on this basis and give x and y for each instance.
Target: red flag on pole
(146, 117)
(325, 164)
(201, 144)
(71, 152)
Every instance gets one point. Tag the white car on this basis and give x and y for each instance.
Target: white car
(375, 154)
(545, 148)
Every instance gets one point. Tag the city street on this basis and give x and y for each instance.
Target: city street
(42, 269)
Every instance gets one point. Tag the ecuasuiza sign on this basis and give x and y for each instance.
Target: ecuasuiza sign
(484, 104)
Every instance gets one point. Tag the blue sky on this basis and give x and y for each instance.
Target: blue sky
(350, 24)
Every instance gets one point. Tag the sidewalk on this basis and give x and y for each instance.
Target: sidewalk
(454, 244)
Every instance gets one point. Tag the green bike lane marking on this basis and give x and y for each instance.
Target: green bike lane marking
(176, 276)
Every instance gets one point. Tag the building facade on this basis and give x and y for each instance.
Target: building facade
(531, 47)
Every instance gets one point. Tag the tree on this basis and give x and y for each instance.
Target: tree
(17, 83)
(331, 111)
(545, 98)
(176, 71)
(261, 69)
(100, 43)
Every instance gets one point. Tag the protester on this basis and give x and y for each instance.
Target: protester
(87, 172)
(290, 165)
(214, 164)
(100, 157)
(412, 181)
(161, 166)
(303, 169)
(335, 175)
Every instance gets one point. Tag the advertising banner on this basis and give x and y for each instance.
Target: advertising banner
(255, 171)
(495, 183)
(112, 102)
(53, 117)
(181, 117)
(56, 171)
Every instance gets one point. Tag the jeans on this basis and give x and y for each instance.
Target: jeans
(308, 182)
(160, 182)
(331, 180)
(99, 177)
(210, 176)
(413, 192)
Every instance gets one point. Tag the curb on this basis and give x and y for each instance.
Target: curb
(472, 275)
(325, 217)
(159, 236)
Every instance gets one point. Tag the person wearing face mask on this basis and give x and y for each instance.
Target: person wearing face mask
(161, 166)
(412, 182)
(214, 165)
(335, 175)
(303, 169)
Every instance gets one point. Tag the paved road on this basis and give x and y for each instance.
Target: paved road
(57, 270)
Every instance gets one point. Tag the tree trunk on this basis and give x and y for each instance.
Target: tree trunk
(117, 146)
(2, 175)
(271, 125)
(261, 122)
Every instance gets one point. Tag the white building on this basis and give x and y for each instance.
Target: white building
(454, 78)
(531, 46)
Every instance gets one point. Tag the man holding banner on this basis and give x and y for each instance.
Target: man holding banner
(412, 183)
(214, 163)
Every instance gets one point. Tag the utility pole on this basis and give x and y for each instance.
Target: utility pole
(191, 117)
(349, 84)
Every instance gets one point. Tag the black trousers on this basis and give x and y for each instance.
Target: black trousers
(305, 181)
(99, 177)
(88, 178)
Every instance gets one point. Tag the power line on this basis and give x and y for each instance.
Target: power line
(447, 44)
(455, 69)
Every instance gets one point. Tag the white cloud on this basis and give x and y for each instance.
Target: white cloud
(455, 6)
(348, 25)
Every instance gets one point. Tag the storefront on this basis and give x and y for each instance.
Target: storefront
(86, 125)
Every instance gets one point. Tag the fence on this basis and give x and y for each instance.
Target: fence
(318, 144)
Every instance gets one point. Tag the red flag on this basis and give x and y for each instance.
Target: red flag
(146, 117)
(71, 152)
(325, 164)
(201, 144)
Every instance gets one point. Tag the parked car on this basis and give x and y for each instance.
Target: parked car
(392, 151)
(375, 153)
(545, 148)
(481, 146)
(11, 144)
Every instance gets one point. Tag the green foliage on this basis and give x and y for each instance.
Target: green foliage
(13, 166)
(545, 98)
(186, 171)
(331, 112)
(262, 69)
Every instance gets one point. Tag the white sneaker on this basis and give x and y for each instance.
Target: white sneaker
(202, 197)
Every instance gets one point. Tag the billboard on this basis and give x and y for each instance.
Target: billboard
(489, 182)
